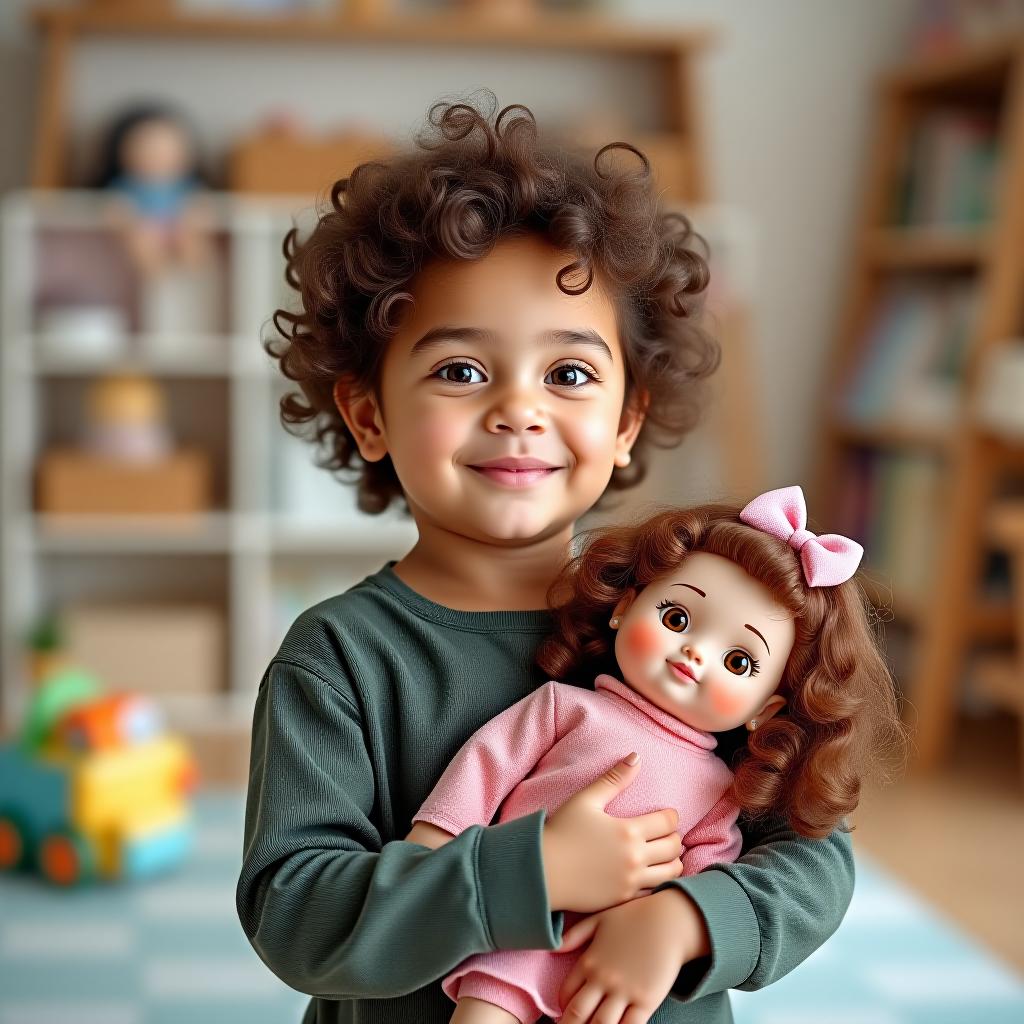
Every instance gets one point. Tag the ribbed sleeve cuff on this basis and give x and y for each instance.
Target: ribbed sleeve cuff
(733, 928)
(512, 889)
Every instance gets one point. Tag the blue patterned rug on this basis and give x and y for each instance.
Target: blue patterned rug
(170, 951)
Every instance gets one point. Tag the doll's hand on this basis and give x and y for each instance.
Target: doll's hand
(426, 834)
(635, 954)
(593, 860)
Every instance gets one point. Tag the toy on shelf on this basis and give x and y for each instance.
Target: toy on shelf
(127, 419)
(150, 168)
(94, 787)
(128, 463)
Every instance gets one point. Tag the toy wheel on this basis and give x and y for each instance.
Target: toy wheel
(13, 844)
(65, 858)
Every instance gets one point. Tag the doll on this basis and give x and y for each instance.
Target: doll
(151, 170)
(721, 618)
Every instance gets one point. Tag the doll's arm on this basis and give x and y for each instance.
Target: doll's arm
(499, 755)
(768, 911)
(333, 909)
(715, 839)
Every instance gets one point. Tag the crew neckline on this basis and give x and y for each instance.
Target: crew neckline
(539, 620)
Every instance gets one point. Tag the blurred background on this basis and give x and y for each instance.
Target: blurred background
(858, 171)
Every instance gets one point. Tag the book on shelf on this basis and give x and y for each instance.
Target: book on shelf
(891, 503)
(949, 173)
(911, 359)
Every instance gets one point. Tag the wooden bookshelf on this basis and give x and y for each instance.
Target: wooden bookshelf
(671, 49)
(951, 613)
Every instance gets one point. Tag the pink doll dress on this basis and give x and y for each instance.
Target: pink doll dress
(542, 751)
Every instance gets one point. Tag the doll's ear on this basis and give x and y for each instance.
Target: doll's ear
(361, 412)
(624, 604)
(772, 706)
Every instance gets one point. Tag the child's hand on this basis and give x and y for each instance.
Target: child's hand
(426, 834)
(593, 860)
(636, 951)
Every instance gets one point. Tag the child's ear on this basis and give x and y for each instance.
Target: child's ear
(361, 413)
(772, 706)
(634, 412)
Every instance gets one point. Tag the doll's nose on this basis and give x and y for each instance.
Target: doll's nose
(693, 654)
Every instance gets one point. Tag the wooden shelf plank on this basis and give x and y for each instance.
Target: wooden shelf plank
(892, 435)
(545, 31)
(983, 66)
(157, 535)
(990, 621)
(929, 248)
(1001, 679)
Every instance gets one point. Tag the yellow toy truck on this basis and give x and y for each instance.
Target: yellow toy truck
(94, 787)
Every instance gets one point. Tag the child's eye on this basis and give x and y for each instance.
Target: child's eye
(462, 373)
(739, 663)
(574, 375)
(675, 617)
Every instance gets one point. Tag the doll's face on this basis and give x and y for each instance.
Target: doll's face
(493, 361)
(707, 643)
(156, 150)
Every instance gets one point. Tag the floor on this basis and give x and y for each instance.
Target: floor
(956, 838)
(172, 951)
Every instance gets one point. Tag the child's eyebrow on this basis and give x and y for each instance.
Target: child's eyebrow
(443, 333)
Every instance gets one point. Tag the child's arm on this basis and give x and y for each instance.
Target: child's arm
(741, 925)
(768, 911)
(498, 756)
(332, 909)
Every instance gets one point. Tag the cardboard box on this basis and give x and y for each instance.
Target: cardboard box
(275, 161)
(149, 648)
(72, 482)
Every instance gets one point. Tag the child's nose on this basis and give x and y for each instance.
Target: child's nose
(517, 414)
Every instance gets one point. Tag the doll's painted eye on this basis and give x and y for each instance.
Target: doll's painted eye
(739, 663)
(675, 618)
(462, 373)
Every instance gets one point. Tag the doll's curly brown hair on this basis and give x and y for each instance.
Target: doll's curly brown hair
(841, 721)
(474, 177)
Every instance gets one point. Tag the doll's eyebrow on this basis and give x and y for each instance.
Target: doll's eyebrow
(439, 335)
(692, 587)
(752, 630)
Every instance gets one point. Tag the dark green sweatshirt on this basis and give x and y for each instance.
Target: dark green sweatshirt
(368, 699)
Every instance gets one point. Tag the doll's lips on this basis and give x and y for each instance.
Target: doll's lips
(683, 671)
(511, 472)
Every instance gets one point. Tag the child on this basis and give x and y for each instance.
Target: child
(719, 623)
(492, 332)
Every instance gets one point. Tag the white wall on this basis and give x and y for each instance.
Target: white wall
(787, 109)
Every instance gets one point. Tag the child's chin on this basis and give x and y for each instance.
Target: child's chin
(521, 528)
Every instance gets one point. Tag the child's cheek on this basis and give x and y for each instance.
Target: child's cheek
(643, 639)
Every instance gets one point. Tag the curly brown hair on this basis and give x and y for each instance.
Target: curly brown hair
(475, 177)
(841, 721)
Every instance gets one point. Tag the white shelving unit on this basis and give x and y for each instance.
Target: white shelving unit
(282, 533)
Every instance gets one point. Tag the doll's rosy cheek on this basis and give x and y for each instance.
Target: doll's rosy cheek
(728, 701)
(643, 639)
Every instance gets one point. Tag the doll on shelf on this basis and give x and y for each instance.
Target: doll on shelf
(151, 171)
(695, 622)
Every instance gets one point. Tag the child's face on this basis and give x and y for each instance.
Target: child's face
(707, 643)
(476, 373)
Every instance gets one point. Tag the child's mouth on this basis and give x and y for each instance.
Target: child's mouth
(514, 477)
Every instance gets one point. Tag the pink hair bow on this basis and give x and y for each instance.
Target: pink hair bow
(827, 560)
